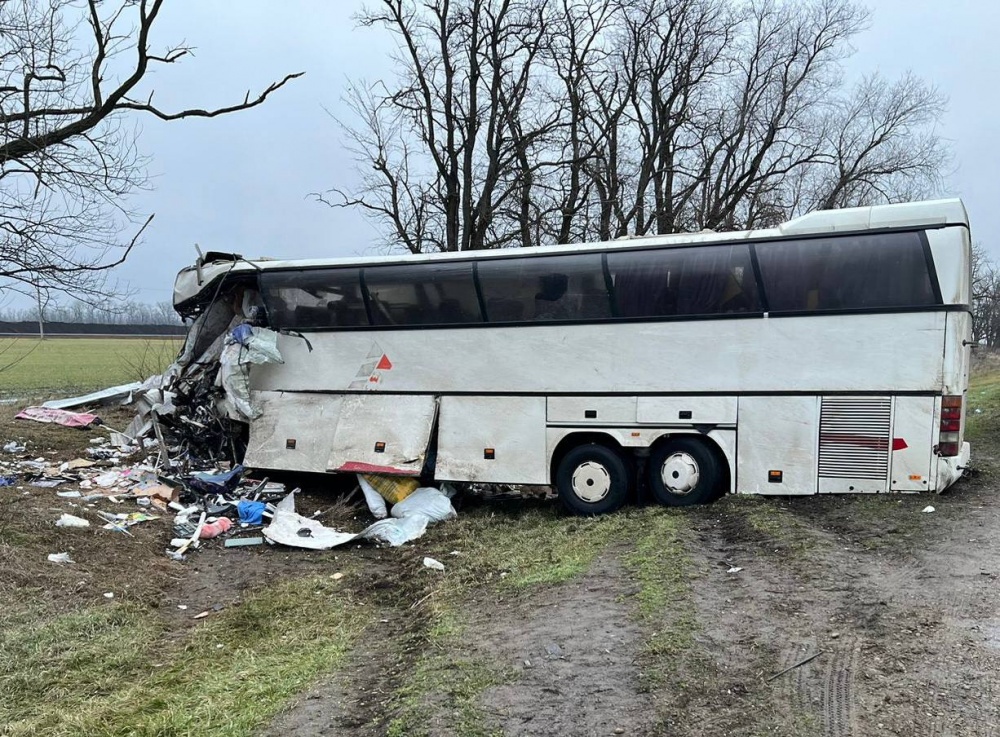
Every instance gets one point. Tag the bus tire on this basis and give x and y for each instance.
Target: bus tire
(593, 479)
(684, 471)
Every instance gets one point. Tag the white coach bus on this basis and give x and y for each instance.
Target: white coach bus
(827, 355)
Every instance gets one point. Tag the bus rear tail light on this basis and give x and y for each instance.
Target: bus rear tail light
(951, 425)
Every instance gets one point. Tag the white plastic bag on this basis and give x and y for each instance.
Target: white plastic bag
(376, 504)
(427, 501)
(69, 520)
(395, 532)
(292, 529)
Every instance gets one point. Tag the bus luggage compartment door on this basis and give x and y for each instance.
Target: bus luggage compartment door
(776, 445)
(383, 433)
(293, 431)
(492, 440)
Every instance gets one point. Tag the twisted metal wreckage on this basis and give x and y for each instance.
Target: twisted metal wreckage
(196, 414)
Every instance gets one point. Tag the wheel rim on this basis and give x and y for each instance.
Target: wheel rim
(680, 473)
(591, 481)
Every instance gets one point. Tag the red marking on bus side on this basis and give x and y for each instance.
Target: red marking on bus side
(863, 441)
(384, 363)
(358, 467)
(858, 440)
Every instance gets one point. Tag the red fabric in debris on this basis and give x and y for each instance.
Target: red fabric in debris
(58, 417)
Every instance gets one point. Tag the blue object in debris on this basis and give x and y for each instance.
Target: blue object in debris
(8, 480)
(216, 482)
(251, 512)
(242, 333)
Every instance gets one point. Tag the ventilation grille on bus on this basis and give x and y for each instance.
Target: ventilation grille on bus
(854, 437)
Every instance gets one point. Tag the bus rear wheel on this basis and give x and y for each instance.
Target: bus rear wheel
(684, 472)
(593, 479)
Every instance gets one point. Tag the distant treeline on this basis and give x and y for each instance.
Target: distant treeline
(121, 313)
(23, 327)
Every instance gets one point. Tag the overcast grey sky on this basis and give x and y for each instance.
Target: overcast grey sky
(240, 183)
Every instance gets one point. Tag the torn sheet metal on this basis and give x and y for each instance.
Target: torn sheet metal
(58, 417)
(112, 395)
(244, 347)
(378, 433)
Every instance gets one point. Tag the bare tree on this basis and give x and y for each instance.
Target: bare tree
(519, 122)
(985, 298)
(73, 76)
(449, 146)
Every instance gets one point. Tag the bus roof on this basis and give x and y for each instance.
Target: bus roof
(194, 280)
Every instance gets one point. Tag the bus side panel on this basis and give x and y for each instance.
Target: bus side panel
(957, 353)
(912, 443)
(294, 431)
(382, 433)
(837, 353)
(777, 434)
(492, 439)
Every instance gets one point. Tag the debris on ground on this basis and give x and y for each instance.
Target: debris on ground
(69, 520)
(927, 510)
(60, 558)
(180, 455)
(112, 395)
(433, 564)
(58, 417)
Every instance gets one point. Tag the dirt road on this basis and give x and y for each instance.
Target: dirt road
(899, 606)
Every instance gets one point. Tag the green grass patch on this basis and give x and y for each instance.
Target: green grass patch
(52, 669)
(659, 563)
(32, 367)
(107, 671)
(983, 409)
(445, 679)
(539, 547)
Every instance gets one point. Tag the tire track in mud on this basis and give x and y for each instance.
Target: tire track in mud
(819, 599)
(838, 700)
(823, 686)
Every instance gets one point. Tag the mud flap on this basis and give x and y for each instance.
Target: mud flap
(383, 433)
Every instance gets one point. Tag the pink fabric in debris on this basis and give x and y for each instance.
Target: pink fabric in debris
(58, 416)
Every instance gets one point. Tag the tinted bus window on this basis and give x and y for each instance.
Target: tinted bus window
(545, 288)
(314, 298)
(684, 281)
(846, 272)
(423, 294)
